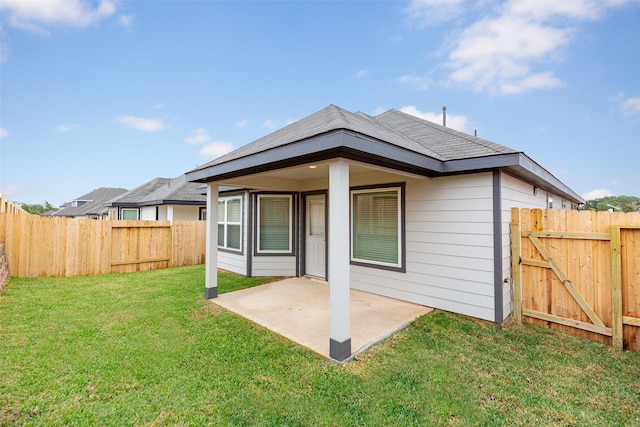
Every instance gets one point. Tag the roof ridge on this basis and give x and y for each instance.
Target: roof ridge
(470, 138)
(336, 117)
(432, 152)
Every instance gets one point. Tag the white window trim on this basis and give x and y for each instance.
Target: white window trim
(122, 211)
(225, 223)
(289, 250)
(360, 261)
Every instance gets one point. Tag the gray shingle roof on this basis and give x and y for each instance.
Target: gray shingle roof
(160, 191)
(394, 127)
(391, 139)
(447, 143)
(96, 203)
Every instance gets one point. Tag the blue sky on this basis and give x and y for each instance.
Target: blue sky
(116, 93)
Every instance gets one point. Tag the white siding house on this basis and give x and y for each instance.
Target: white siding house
(393, 205)
(161, 199)
(93, 205)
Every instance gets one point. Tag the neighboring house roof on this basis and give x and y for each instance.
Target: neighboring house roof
(93, 203)
(162, 191)
(391, 139)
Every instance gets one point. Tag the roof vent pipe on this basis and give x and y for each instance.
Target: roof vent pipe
(444, 116)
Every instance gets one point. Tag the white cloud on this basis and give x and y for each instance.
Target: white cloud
(362, 73)
(429, 12)
(396, 37)
(421, 83)
(4, 46)
(507, 49)
(3, 133)
(198, 136)
(34, 15)
(126, 20)
(10, 189)
(454, 121)
(62, 128)
(269, 124)
(241, 124)
(615, 181)
(629, 107)
(597, 194)
(139, 123)
(216, 149)
(272, 124)
(158, 105)
(497, 55)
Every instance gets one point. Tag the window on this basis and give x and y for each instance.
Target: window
(230, 223)
(130, 214)
(203, 214)
(376, 227)
(274, 223)
(549, 201)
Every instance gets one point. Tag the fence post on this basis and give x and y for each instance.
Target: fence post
(616, 288)
(516, 256)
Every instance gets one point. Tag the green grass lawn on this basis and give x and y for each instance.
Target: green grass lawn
(147, 349)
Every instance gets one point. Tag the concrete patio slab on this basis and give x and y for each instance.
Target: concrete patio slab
(298, 308)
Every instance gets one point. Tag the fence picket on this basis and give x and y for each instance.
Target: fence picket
(597, 255)
(44, 246)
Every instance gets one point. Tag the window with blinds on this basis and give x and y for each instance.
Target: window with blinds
(274, 223)
(376, 226)
(230, 223)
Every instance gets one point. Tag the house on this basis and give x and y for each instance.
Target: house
(91, 205)
(393, 205)
(163, 199)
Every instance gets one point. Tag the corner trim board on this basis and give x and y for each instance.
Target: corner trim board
(497, 246)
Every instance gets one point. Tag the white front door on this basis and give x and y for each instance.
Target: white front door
(315, 255)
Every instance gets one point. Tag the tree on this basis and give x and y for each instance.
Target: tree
(617, 203)
(37, 209)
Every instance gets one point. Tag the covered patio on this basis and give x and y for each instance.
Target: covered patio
(298, 308)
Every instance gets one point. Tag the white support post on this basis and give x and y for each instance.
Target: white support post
(211, 269)
(339, 261)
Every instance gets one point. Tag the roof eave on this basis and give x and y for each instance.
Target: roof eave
(348, 144)
(518, 164)
(158, 203)
(338, 143)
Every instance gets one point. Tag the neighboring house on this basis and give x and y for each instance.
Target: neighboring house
(91, 205)
(392, 204)
(161, 199)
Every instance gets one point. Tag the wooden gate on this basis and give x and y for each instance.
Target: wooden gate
(578, 272)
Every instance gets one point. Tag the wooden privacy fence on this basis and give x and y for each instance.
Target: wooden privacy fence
(48, 246)
(578, 272)
(7, 206)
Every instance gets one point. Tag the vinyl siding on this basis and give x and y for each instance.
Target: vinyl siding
(517, 194)
(449, 241)
(186, 213)
(274, 266)
(236, 262)
(148, 213)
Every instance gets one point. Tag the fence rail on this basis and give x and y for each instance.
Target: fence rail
(578, 272)
(49, 246)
